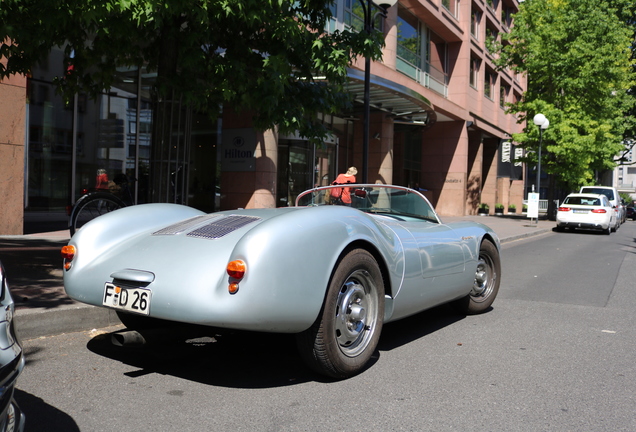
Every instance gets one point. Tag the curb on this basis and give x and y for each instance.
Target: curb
(525, 235)
(36, 323)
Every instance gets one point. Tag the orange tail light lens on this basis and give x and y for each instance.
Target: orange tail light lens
(68, 253)
(236, 269)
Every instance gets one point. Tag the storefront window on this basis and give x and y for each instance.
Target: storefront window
(114, 141)
(302, 166)
(49, 143)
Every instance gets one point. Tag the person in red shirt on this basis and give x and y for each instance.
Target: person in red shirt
(101, 180)
(344, 193)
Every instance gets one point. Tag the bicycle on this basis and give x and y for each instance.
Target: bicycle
(98, 202)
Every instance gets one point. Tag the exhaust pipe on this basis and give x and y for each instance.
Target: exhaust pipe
(127, 338)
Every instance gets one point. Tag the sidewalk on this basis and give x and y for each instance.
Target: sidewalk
(34, 270)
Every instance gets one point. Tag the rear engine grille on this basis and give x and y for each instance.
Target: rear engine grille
(222, 227)
(185, 225)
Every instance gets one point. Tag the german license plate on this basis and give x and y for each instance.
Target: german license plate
(127, 298)
(581, 211)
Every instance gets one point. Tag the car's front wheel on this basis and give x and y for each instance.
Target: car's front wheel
(486, 281)
(342, 340)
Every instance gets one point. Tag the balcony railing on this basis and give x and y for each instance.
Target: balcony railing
(431, 78)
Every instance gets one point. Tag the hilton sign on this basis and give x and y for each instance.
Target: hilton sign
(237, 153)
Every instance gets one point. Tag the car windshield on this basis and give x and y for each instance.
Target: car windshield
(592, 190)
(577, 200)
(395, 201)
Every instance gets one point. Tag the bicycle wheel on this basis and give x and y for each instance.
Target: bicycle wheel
(91, 206)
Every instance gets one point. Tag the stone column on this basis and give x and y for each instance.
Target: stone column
(12, 148)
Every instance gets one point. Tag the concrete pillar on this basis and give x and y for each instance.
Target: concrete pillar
(12, 154)
(474, 176)
(380, 148)
(389, 52)
(266, 155)
(489, 176)
(254, 186)
(445, 166)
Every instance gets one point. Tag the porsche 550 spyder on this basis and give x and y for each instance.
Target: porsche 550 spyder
(331, 274)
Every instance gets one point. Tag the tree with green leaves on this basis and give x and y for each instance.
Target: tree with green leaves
(258, 56)
(629, 136)
(576, 54)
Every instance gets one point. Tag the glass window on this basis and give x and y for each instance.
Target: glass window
(506, 16)
(436, 57)
(475, 19)
(302, 166)
(503, 95)
(421, 53)
(489, 84)
(474, 71)
(492, 36)
(451, 6)
(354, 16)
(50, 144)
(409, 38)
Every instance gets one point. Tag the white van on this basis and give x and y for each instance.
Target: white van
(612, 194)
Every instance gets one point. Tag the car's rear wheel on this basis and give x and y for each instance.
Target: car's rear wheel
(342, 340)
(486, 281)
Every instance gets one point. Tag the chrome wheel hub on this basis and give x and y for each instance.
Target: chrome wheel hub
(484, 278)
(356, 313)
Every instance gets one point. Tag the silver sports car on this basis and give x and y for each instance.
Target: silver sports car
(331, 274)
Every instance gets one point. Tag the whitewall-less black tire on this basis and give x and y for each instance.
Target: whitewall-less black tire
(486, 281)
(344, 337)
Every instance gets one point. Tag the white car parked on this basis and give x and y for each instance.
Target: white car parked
(587, 211)
(612, 195)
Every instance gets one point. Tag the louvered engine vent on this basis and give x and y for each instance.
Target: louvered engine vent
(222, 227)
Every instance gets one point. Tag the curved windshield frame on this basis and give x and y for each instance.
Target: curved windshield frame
(397, 202)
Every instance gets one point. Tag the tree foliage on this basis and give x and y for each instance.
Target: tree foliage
(259, 56)
(576, 54)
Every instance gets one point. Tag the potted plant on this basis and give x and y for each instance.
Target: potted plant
(484, 209)
(512, 208)
(499, 208)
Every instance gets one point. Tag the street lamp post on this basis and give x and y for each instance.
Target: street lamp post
(367, 7)
(542, 122)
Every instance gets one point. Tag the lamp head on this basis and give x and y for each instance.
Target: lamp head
(539, 119)
(384, 4)
(545, 124)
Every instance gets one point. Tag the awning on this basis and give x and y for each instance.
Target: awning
(403, 104)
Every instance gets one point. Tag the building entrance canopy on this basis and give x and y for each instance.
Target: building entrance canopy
(400, 102)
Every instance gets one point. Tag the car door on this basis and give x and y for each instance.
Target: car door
(443, 273)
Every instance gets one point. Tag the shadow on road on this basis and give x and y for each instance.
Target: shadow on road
(41, 416)
(238, 359)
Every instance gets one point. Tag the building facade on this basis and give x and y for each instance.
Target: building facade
(437, 123)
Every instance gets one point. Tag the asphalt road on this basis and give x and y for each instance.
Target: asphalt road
(556, 353)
